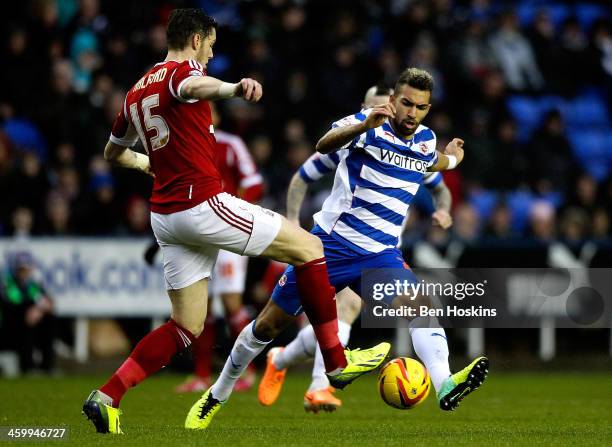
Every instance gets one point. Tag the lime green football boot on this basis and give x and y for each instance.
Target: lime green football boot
(104, 417)
(456, 387)
(201, 414)
(359, 363)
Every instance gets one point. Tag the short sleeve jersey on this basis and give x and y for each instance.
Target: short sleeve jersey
(176, 132)
(374, 185)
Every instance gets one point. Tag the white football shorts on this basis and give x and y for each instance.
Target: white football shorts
(229, 274)
(190, 240)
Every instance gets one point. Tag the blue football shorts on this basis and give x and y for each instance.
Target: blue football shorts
(345, 268)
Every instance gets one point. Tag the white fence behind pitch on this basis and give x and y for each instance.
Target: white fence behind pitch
(96, 277)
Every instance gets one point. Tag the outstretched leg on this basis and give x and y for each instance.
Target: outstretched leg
(151, 354)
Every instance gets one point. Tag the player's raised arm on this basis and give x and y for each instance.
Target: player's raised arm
(442, 200)
(450, 159)
(311, 171)
(338, 137)
(295, 197)
(209, 88)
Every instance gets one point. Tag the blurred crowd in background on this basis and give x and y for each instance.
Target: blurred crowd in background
(527, 85)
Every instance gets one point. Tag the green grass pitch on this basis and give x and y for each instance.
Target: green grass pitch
(510, 409)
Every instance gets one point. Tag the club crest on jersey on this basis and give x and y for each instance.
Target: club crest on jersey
(282, 281)
(423, 148)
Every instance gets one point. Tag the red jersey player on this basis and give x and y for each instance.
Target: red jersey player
(242, 179)
(192, 218)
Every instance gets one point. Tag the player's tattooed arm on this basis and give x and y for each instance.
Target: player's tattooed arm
(295, 197)
(209, 88)
(452, 156)
(127, 158)
(442, 200)
(442, 197)
(338, 137)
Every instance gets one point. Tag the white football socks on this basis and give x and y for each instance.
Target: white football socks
(432, 348)
(245, 349)
(319, 379)
(301, 348)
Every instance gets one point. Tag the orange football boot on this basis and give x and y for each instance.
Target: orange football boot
(315, 401)
(272, 380)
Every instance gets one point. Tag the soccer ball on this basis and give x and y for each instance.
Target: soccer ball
(403, 383)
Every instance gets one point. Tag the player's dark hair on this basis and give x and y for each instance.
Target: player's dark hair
(183, 23)
(416, 78)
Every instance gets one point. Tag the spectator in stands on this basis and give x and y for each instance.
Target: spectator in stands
(22, 221)
(424, 55)
(45, 31)
(492, 98)
(341, 79)
(602, 41)
(466, 223)
(64, 155)
(509, 169)
(546, 49)
(100, 214)
(26, 314)
(542, 222)
(58, 220)
(67, 182)
(584, 193)
(61, 100)
(138, 217)
(305, 75)
(473, 54)
(601, 224)
(6, 180)
(30, 183)
(88, 17)
(16, 77)
(550, 155)
(389, 65)
(514, 54)
(479, 168)
(574, 62)
(500, 223)
(574, 225)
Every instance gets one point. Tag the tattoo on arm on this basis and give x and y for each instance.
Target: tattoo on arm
(442, 197)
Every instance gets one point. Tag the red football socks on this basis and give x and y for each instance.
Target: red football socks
(202, 348)
(318, 300)
(152, 353)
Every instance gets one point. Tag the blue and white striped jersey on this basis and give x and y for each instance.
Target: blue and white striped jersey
(378, 173)
(318, 165)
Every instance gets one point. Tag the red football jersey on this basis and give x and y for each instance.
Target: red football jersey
(177, 133)
(237, 168)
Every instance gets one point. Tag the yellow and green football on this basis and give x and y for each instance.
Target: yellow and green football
(403, 383)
